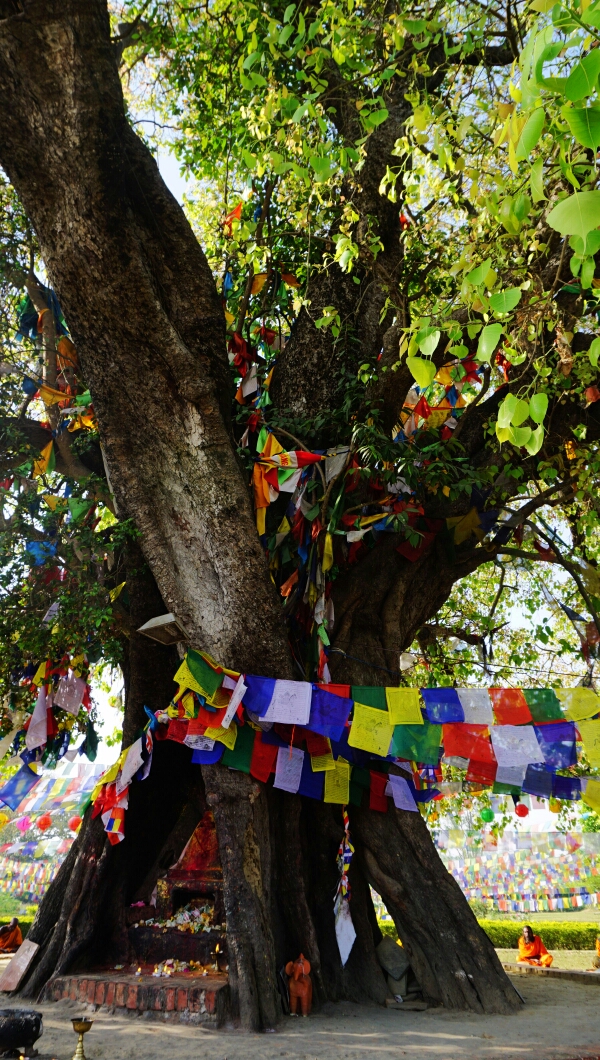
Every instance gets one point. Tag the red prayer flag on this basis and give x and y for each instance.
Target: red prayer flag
(468, 741)
(510, 706)
(262, 763)
(377, 796)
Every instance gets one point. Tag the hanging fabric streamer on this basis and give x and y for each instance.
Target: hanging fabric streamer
(344, 928)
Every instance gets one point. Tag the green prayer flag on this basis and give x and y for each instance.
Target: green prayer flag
(241, 755)
(204, 674)
(505, 789)
(417, 743)
(356, 793)
(361, 776)
(370, 697)
(543, 704)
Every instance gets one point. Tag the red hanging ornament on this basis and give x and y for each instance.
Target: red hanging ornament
(521, 809)
(44, 822)
(74, 823)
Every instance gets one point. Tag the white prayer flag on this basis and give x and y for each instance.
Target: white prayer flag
(69, 693)
(290, 703)
(477, 706)
(344, 928)
(515, 745)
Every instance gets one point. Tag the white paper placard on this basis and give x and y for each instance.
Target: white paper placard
(69, 693)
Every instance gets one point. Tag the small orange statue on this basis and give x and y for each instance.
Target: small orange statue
(300, 985)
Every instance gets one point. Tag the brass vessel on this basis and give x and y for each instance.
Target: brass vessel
(81, 1026)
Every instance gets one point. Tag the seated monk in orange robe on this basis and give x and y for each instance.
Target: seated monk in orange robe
(532, 950)
(10, 937)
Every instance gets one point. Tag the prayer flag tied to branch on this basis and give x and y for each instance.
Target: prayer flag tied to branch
(335, 742)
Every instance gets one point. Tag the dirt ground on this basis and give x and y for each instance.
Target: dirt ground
(559, 1021)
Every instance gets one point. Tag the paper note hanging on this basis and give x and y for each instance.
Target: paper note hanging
(236, 698)
(337, 783)
(288, 770)
(370, 730)
(69, 693)
(404, 706)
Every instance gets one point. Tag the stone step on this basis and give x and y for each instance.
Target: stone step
(569, 974)
(188, 999)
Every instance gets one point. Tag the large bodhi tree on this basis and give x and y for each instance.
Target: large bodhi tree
(143, 309)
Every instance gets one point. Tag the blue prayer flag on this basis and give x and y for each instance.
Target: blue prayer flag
(328, 713)
(18, 787)
(442, 705)
(557, 743)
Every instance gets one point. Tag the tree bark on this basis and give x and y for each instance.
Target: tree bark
(144, 313)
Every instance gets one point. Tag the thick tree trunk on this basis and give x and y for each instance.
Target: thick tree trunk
(144, 313)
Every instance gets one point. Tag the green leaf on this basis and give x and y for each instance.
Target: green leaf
(506, 410)
(584, 124)
(594, 352)
(421, 370)
(536, 180)
(488, 340)
(531, 133)
(478, 275)
(428, 344)
(520, 412)
(289, 11)
(250, 60)
(285, 35)
(504, 301)
(520, 436)
(583, 78)
(538, 406)
(588, 269)
(377, 117)
(536, 441)
(577, 215)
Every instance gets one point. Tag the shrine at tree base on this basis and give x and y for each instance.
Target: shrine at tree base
(195, 880)
(154, 982)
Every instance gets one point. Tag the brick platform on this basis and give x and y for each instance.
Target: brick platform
(189, 999)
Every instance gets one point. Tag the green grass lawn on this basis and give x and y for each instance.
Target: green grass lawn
(574, 960)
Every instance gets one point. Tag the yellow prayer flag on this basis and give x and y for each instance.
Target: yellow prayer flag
(404, 706)
(590, 734)
(579, 703)
(41, 465)
(327, 560)
(185, 679)
(337, 783)
(371, 730)
(190, 706)
(40, 674)
(226, 736)
(50, 396)
(115, 593)
(591, 795)
(465, 525)
(322, 763)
